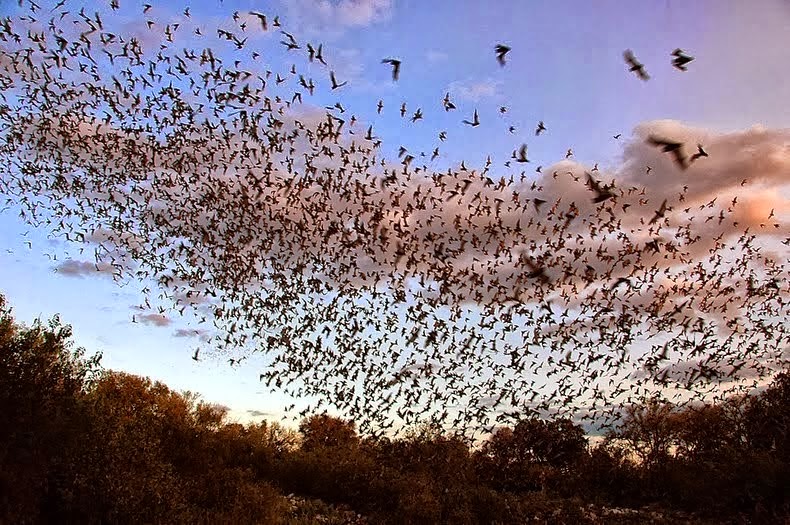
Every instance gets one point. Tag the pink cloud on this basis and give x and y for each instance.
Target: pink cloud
(73, 268)
(160, 320)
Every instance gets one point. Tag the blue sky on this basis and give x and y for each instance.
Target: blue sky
(565, 68)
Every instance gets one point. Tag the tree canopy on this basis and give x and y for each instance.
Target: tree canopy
(79, 443)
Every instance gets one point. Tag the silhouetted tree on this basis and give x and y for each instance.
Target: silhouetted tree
(649, 430)
(322, 430)
(608, 476)
(524, 457)
(768, 418)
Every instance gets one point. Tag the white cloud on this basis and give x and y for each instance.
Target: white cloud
(325, 16)
(72, 268)
(436, 56)
(347, 65)
(475, 90)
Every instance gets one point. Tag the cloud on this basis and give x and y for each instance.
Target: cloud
(757, 155)
(701, 198)
(362, 12)
(189, 332)
(347, 65)
(191, 297)
(700, 371)
(334, 17)
(160, 320)
(436, 56)
(258, 413)
(475, 90)
(74, 268)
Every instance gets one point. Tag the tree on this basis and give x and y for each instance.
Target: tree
(323, 430)
(649, 430)
(522, 457)
(135, 424)
(767, 418)
(42, 379)
(608, 475)
(702, 433)
(181, 461)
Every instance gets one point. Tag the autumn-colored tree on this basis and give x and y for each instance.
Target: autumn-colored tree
(126, 434)
(323, 430)
(765, 467)
(328, 462)
(42, 378)
(436, 465)
(180, 460)
(82, 445)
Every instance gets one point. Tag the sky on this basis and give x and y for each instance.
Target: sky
(565, 68)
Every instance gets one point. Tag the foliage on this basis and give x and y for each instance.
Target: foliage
(81, 444)
(323, 430)
(78, 444)
(42, 379)
(527, 456)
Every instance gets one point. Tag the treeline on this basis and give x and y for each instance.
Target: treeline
(79, 444)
